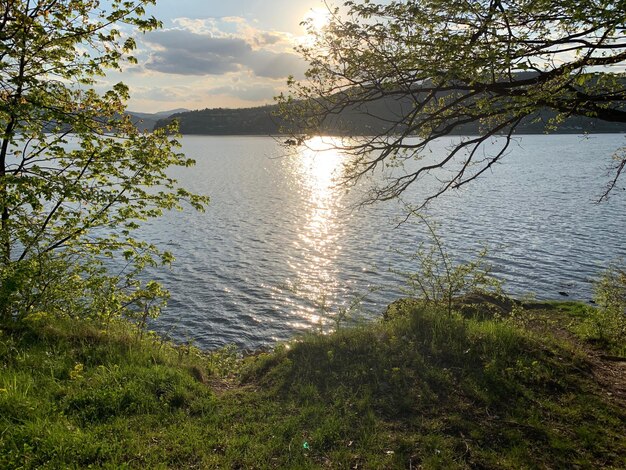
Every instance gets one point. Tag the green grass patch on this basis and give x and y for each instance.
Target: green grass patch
(421, 389)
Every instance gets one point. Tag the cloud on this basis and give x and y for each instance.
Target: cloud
(205, 91)
(166, 94)
(254, 92)
(237, 27)
(212, 47)
(266, 38)
(275, 65)
(187, 53)
(211, 62)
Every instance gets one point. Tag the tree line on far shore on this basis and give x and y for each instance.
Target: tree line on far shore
(363, 120)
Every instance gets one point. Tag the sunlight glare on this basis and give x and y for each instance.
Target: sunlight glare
(320, 164)
(318, 18)
(323, 161)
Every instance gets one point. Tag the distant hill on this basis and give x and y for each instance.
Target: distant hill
(223, 121)
(147, 121)
(261, 121)
(372, 118)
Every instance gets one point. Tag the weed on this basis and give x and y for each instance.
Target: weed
(437, 280)
(606, 324)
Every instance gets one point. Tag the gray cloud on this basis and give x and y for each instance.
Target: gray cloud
(273, 65)
(184, 63)
(184, 52)
(266, 38)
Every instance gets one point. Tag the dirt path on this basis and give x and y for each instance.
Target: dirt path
(610, 373)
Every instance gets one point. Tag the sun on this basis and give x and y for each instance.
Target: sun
(318, 18)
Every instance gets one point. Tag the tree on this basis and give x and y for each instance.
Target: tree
(75, 175)
(434, 68)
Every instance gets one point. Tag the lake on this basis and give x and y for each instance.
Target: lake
(281, 249)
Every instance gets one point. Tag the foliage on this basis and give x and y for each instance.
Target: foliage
(607, 323)
(610, 290)
(449, 65)
(76, 176)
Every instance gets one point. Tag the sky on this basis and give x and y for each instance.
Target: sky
(217, 53)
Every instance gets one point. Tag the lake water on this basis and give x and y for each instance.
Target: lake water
(280, 249)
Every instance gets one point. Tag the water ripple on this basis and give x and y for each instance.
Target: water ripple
(279, 247)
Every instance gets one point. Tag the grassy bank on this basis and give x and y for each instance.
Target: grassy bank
(421, 389)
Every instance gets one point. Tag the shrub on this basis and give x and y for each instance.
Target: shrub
(607, 323)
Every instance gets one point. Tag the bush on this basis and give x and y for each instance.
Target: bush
(438, 280)
(607, 323)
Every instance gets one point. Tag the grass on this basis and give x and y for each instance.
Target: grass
(421, 390)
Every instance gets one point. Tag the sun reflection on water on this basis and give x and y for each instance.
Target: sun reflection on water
(319, 164)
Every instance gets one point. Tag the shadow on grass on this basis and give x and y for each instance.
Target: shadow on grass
(452, 389)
